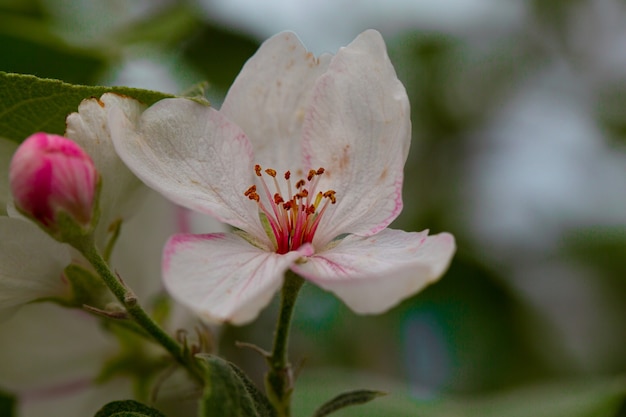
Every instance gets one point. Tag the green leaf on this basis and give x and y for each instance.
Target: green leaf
(128, 408)
(225, 393)
(7, 404)
(261, 402)
(29, 104)
(588, 397)
(347, 399)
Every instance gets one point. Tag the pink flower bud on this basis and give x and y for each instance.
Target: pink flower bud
(50, 173)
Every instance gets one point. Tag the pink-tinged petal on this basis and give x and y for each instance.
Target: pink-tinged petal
(269, 98)
(31, 265)
(194, 156)
(358, 128)
(222, 277)
(121, 190)
(372, 274)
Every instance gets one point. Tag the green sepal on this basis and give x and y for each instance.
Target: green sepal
(267, 227)
(128, 408)
(263, 405)
(7, 404)
(347, 399)
(87, 287)
(253, 240)
(225, 393)
(197, 93)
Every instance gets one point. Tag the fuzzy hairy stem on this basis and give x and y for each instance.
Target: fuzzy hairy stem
(279, 378)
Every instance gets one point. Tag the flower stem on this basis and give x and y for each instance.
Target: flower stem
(279, 379)
(129, 301)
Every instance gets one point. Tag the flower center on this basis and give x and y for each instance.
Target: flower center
(292, 217)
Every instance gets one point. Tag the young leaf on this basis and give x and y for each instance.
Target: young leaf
(225, 394)
(263, 405)
(127, 408)
(347, 399)
(29, 104)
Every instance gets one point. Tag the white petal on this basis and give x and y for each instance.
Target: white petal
(46, 347)
(121, 189)
(222, 277)
(372, 274)
(194, 156)
(7, 148)
(269, 98)
(31, 264)
(358, 128)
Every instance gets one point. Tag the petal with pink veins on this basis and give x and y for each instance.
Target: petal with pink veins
(373, 274)
(269, 98)
(222, 277)
(358, 128)
(193, 155)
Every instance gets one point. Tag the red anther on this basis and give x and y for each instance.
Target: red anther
(330, 194)
(293, 222)
(250, 190)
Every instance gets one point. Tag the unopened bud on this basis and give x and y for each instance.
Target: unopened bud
(50, 174)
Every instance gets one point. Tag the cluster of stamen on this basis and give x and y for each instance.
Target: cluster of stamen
(295, 216)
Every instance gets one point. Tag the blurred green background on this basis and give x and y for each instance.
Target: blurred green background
(519, 134)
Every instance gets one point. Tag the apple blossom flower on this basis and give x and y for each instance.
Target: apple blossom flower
(305, 159)
(49, 174)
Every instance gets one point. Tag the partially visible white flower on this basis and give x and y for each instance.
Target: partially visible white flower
(32, 263)
(50, 356)
(331, 136)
